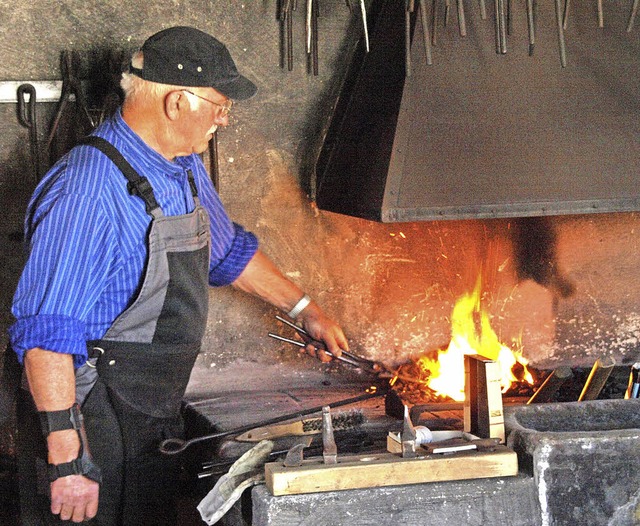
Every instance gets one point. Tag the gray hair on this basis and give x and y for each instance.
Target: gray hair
(134, 86)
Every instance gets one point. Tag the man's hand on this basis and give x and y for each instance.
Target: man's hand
(323, 329)
(75, 498)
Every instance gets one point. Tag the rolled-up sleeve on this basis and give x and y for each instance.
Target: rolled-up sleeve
(50, 332)
(243, 247)
(66, 270)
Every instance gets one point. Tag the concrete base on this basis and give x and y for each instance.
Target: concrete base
(584, 457)
(509, 501)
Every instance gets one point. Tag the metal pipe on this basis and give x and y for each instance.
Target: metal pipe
(597, 378)
(551, 385)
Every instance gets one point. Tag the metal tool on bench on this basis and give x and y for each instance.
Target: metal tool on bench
(310, 426)
(329, 448)
(361, 363)
(295, 455)
(408, 436)
(173, 446)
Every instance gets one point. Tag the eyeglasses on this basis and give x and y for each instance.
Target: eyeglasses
(226, 107)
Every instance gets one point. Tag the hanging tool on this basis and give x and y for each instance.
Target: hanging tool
(312, 34)
(462, 24)
(425, 31)
(434, 21)
(501, 27)
(346, 357)
(286, 19)
(27, 117)
(483, 10)
(214, 171)
(531, 25)
(314, 37)
(565, 14)
(407, 36)
(173, 446)
(632, 16)
(329, 448)
(363, 12)
(561, 44)
(600, 14)
(71, 90)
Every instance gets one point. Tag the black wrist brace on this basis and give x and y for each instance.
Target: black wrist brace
(70, 419)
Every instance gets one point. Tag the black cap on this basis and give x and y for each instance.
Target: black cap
(185, 56)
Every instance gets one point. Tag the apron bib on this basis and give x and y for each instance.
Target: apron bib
(147, 354)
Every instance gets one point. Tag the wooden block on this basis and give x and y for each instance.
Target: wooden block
(483, 413)
(387, 469)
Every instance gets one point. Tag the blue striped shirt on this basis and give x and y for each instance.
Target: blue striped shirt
(87, 239)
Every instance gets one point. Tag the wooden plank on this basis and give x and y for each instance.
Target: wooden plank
(387, 469)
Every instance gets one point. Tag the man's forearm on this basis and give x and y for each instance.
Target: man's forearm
(52, 384)
(263, 279)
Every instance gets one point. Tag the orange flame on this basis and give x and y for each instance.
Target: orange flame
(471, 333)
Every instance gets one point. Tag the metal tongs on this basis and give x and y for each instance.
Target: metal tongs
(368, 366)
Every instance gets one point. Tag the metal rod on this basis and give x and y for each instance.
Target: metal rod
(600, 14)
(407, 39)
(565, 14)
(597, 378)
(314, 37)
(632, 16)
(434, 21)
(483, 10)
(531, 26)
(425, 31)
(363, 11)
(561, 44)
(551, 385)
(213, 162)
(462, 23)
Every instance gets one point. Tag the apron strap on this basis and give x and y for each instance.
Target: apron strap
(138, 185)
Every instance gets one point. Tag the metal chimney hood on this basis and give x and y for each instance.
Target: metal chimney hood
(479, 134)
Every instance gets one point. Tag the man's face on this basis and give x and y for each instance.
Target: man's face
(207, 110)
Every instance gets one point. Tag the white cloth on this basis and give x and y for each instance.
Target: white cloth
(247, 471)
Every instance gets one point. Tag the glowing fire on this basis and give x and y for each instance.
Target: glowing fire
(471, 333)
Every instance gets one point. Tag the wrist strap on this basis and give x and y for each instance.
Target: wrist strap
(299, 307)
(59, 420)
(80, 466)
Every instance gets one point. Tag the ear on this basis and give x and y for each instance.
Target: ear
(175, 103)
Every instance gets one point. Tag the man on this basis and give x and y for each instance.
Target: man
(125, 234)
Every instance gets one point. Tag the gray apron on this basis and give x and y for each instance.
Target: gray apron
(147, 354)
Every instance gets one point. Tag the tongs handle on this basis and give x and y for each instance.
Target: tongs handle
(346, 356)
